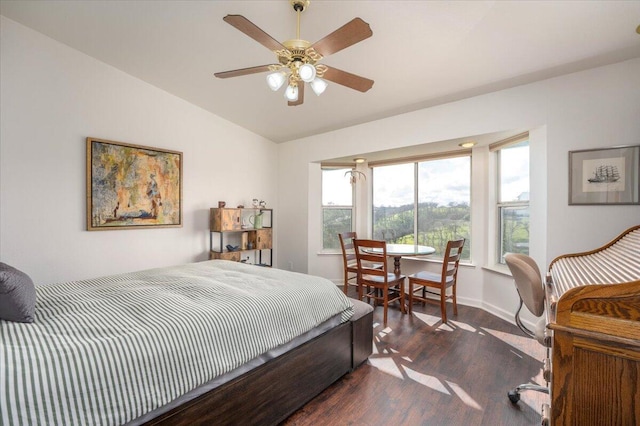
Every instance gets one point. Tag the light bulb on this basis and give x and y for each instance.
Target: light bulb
(291, 93)
(318, 85)
(275, 80)
(307, 72)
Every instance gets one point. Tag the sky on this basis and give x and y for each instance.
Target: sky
(440, 181)
(514, 172)
(336, 188)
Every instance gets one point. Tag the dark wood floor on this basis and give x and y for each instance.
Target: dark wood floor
(424, 372)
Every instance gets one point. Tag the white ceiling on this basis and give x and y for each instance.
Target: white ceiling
(422, 53)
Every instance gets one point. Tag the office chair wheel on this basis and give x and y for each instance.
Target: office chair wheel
(514, 396)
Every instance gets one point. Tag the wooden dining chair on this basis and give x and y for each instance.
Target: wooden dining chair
(350, 264)
(349, 261)
(447, 278)
(382, 285)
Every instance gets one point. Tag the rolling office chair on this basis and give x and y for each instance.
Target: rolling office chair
(531, 292)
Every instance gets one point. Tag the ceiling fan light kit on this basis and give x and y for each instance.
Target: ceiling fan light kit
(298, 59)
(291, 93)
(275, 80)
(307, 72)
(318, 85)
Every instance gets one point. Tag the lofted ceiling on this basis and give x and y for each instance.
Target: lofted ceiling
(422, 53)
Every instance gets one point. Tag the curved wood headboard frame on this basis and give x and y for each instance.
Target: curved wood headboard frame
(606, 246)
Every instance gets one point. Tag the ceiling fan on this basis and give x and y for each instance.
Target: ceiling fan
(298, 59)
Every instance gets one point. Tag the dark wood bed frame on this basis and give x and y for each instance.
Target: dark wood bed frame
(269, 394)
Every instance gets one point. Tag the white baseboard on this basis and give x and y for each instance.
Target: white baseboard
(474, 303)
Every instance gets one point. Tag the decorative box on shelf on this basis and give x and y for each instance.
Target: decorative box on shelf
(241, 235)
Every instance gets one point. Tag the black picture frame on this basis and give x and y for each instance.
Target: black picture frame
(606, 176)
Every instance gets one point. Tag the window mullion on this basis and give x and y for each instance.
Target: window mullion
(415, 203)
(354, 203)
(513, 204)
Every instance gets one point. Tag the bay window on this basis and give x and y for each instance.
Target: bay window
(425, 202)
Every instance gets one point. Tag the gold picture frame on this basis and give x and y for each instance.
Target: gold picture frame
(132, 186)
(607, 176)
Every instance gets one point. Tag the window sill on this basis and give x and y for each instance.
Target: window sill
(329, 252)
(468, 264)
(498, 269)
(414, 259)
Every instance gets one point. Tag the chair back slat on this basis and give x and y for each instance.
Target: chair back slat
(451, 259)
(348, 257)
(346, 244)
(367, 257)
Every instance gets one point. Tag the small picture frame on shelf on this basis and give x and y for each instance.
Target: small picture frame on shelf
(608, 176)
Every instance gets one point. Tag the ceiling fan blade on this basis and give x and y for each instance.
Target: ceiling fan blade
(349, 34)
(245, 71)
(250, 29)
(347, 79)
(300, 95)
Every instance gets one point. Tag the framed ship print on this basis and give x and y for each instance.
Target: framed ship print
(132, 186)
(604, 176)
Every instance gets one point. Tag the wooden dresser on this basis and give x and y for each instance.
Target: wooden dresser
(595, 369)
(595, 373)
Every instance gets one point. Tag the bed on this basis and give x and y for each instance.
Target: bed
(210, 342)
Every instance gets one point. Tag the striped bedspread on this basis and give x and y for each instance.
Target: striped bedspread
(105, 351)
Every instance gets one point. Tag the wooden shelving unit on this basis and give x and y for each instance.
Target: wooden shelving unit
(235, 228)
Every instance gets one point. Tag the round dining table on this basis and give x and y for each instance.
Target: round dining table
(398, 251)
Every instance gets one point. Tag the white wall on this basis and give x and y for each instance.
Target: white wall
(591, 109)
(53, 97)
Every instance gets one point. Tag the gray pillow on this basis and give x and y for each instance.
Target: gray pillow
(17, 295)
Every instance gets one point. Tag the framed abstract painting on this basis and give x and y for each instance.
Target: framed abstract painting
(604, 176)
(132, 186)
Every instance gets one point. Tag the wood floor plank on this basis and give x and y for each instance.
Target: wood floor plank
(424, 372)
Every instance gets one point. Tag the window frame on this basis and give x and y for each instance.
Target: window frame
(500, 206)
(324, 207)
(415, 161)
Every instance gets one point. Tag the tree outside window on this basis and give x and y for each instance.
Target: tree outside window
(337, 206)
(425, 202)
